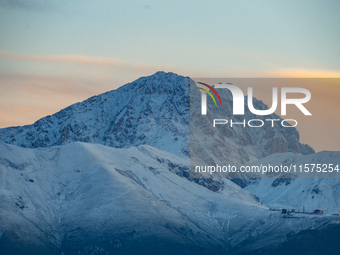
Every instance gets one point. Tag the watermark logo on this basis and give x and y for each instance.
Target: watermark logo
(238, 99)
(204, 96)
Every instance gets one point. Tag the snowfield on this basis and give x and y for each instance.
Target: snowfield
(80, 197)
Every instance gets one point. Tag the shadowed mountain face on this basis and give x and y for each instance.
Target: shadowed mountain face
(324, 241)
(154, 111)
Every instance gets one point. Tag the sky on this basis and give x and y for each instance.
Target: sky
(56, 53)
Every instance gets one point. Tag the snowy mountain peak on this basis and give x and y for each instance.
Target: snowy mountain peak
(153, 110)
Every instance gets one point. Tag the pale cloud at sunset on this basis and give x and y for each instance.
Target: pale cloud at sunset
(81, 60)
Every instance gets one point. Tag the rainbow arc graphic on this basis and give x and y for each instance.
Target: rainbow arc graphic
(213, 90)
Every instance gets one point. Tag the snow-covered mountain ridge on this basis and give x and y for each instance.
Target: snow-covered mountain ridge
(92, 199)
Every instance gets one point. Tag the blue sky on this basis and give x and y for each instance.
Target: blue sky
(55, 53)
(215, 38)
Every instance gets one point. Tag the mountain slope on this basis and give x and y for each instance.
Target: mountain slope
(94, 199)
(287, 191)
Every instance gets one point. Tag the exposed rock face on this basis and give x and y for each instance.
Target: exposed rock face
(306, 149)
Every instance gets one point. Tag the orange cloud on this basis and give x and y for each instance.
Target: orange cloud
(302, 73)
